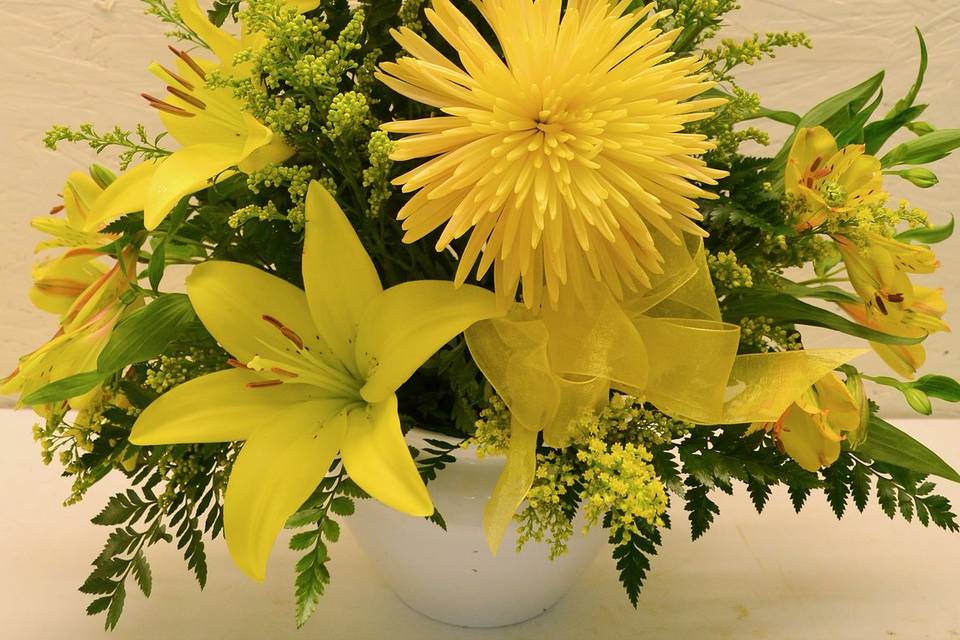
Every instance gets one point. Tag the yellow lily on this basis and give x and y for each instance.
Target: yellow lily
(223, 44)
(811, 429)
(217, 136)
(828, 180)
(84, 331)
(315, 374)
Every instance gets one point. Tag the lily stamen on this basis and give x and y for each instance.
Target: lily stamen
(160, 105)
(183, 82)
(284, 372)
(259, 384)
(183, 55)
(57, 209)
(236, 364)
(186, 97)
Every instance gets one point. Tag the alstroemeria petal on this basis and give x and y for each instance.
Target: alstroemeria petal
(219, 41)
(126, 194)
(812, 149)
(79, 194)
(238, 305)
(408, 323)
(805, 442)
(59, 282)
(338, 275)
(218, 407)
(186, 171)
(278, 468)
(377, 459)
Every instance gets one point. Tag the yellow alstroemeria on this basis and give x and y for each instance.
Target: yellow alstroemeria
(81, 194)
(316, 374)
(811, 429)
(57, 283)
(828, 180)
(921, 318)
(84, 331)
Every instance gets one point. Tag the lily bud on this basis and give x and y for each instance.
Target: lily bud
(102, 176)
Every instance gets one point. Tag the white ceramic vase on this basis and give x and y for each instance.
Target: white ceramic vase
(450, 575)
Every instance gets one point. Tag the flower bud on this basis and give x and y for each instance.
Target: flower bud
(102, 176)
(919, 177)
(918, 401)
(920, 128)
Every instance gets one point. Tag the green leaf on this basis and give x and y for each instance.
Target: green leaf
(821, 292)
(787, 309)
(923, 150)
(886, 443)
(157, 265)
(853, 132)
(147, 332)
(826, 113)
(99, 605)
(907, 101)
(65, 388)
(342, 506)
(928, 235)
(942, 387)
(876, 134)
(142, 573)
(304, 539)
(116, 607)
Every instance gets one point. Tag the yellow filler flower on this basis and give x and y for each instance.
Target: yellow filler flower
(811, 429)
(315, 375)
(560, 157)
(830, 181)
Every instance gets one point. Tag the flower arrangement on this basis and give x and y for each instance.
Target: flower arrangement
(528, 225)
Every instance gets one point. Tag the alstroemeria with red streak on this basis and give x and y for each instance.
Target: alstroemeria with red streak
(84, 331)
(812, 429)
(830, 181)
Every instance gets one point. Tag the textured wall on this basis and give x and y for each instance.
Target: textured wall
(84, 60)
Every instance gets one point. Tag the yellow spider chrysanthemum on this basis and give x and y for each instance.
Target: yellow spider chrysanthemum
(564, 154)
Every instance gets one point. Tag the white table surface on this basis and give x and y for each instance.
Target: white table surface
(776, 576)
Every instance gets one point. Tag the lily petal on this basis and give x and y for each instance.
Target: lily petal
(234, 301)
(186, 171)
(408, 323)
(262, 146)
(338, 275)
(218, 407)
(277, 470)
(219, 41)
(377, 458)
(126, 194)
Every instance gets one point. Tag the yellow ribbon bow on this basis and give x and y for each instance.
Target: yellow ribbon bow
(667, 345)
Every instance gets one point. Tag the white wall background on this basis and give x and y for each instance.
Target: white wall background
(74, 61)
